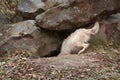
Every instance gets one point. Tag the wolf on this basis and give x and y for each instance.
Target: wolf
(78, 39)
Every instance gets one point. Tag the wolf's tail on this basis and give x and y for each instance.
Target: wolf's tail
(94, 29)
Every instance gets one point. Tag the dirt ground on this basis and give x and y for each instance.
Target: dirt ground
(99, 63)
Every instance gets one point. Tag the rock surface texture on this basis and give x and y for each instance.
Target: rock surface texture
(52, 3)
(30, 8)
(76, 13)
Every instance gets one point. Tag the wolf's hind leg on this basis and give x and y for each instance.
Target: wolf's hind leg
(85, 46)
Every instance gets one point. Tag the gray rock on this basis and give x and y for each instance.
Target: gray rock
(30, 8)
(76, 13)
(25, 36)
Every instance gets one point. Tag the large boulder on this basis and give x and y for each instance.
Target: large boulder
(76, 13)
(25, 36)
(30, 8)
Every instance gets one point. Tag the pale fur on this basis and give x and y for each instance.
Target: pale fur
(78, 39)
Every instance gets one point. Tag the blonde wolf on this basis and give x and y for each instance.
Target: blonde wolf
(78, 39)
